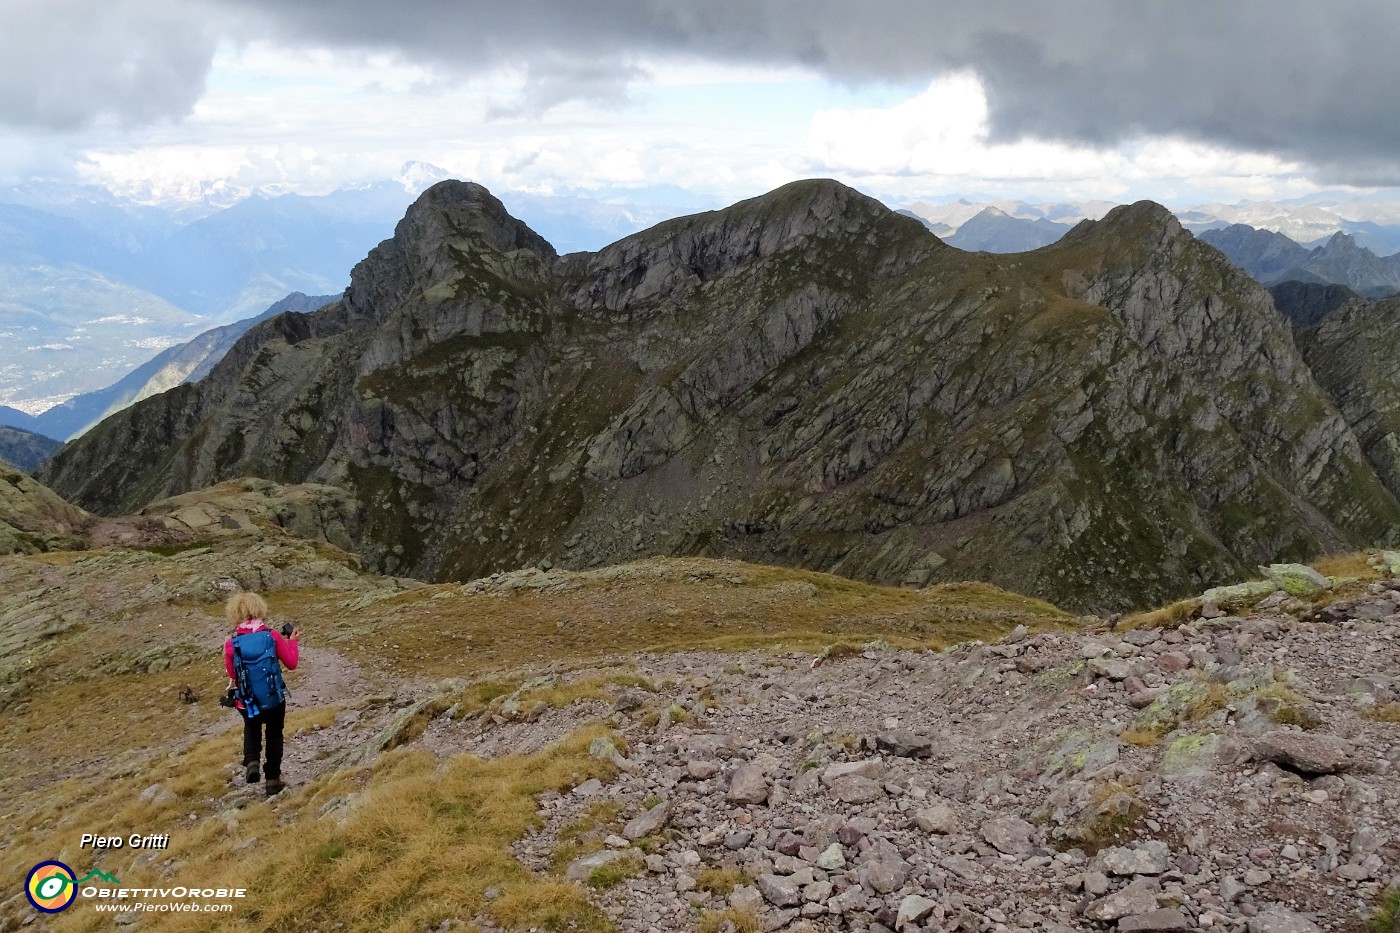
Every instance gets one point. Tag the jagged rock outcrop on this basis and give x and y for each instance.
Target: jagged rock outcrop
(803, 378)
(1352, 353)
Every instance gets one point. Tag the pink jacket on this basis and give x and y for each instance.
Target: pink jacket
(286, 648)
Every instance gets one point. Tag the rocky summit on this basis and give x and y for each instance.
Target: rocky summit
(805, 378)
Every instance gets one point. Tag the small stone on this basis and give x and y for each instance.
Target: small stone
(939, 819)
(1281, 920)
(912, 911)
(833, 858)
(817, 892)
(748, 786)
(1164, 920)
(1009, 834)
(904, 744)
(581, 868)
(856, 789)
(780, 891)
(648, 822)
(737, 840)
(1150, 858)
(1257, 876)
(746, 897)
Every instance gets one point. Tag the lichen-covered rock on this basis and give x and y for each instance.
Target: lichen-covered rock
(1297, 579)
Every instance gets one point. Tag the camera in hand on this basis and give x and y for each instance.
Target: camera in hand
(228, 699)
(286, 630)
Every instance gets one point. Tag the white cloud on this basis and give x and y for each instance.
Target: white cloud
(940, 142)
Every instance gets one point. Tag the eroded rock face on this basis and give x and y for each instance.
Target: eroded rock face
(803, 378)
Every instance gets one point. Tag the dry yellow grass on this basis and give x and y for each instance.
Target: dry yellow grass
(420, 841)
(720, 881)
(732, 918)
(1166, 617)
(1143, 738)
(1386, 712)
(663, 605)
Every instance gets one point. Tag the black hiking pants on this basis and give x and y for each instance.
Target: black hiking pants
(253, 739)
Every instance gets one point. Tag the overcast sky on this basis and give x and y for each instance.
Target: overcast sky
(1183, 101)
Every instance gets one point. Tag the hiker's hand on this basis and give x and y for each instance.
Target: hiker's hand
(296, 633)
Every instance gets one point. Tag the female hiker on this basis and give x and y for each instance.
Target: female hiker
(254, 657)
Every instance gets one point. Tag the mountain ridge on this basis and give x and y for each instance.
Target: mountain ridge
(804, 378)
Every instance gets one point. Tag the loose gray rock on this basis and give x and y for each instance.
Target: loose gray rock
(912, 910)
(1133, 900)
(780, 891)
(1281, 920)
(1150, 858)
(748, 786)
(579, 869)
(939, 819)
(1306, 752)
(1010, 834)
(856, 789)
(904, 744)
(1164, 920)
(648, 822)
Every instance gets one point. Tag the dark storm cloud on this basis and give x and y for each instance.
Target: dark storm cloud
(69, 63)
(1300, 78)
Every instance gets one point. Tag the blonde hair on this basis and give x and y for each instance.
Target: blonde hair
(244, 606)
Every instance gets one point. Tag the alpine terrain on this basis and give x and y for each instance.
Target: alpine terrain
(805, 378)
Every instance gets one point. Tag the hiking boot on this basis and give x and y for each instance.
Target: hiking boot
(274, 786)
(250, 774)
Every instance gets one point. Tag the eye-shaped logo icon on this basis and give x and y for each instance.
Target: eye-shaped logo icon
(51, 887)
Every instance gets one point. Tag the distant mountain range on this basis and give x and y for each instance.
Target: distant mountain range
(1272, 258)
(93, 285)
(185, 362)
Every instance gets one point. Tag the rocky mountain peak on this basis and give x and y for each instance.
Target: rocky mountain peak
(450, 220)
(632, 273)
(1342, 244)
(1143, 223)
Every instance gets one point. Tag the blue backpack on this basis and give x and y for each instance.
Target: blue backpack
(257, 672)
